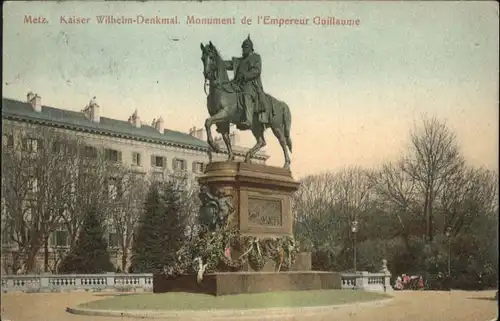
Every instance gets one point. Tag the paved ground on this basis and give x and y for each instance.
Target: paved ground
(407, 306)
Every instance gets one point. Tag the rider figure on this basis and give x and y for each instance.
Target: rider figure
(247, 71)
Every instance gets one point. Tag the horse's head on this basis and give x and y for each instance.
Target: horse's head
(210, 58)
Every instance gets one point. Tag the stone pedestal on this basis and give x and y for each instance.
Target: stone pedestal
(262, 196)
(262, 200)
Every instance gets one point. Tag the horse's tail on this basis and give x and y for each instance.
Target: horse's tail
(287, 123)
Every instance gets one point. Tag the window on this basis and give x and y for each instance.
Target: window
(179, 164)
(31, 145)
(68, 148)
(8, 141)
(198, 167)
(90, 151)
(59, 238)
(136, 159)
(113, 155)
(158, 161)
(57, 147)
(113, 188)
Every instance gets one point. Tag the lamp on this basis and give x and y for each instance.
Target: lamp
(448, 235)
(354, 230)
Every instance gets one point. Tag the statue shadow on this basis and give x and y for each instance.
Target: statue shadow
(482, 298)
(117, 294)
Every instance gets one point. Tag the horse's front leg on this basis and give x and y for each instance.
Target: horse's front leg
(220, 116)
(208, 128)
(227, 141)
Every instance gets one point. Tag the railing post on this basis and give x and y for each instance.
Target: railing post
(387, 276)
(361, 280)
(44, 282)
(10, 283)
(110, 280)
(142, 280)
(387, 281)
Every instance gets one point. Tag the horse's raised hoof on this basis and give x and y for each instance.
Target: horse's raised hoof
(286, 166)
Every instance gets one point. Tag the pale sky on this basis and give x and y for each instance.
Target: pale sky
(354, 92)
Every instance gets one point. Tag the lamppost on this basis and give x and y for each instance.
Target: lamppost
(448, 235)
(354, 230)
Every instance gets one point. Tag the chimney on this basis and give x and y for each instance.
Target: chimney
(135, 120)
(159, 124)
(92, 111)
(200, 134)
(197, 132)
(35, 101)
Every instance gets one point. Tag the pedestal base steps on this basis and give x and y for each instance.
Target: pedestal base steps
(227, 283)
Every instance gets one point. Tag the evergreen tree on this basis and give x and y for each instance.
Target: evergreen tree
(90, 253)
(161, 230)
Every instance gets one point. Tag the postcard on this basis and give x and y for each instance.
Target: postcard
(237, 147)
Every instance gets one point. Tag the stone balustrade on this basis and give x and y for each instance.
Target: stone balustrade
(71, 282)
(362, 280)
(144, 282)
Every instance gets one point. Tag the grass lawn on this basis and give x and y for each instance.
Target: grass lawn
(190, 301)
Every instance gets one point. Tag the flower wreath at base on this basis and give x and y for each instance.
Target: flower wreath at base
(206, 253)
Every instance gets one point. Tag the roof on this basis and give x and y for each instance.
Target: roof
(50, 116)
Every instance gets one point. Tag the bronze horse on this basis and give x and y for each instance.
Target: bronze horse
(224, 109)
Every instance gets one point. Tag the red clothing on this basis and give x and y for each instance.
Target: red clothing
(227, 253)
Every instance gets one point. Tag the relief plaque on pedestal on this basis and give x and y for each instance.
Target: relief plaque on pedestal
(262, 196)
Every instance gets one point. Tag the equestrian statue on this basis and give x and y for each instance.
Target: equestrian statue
(242, 101)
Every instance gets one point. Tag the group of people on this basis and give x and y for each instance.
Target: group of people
(406, 282)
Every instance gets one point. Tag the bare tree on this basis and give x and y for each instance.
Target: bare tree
(355, 203)
(34, 184)
(125, 208)
(88, 172)
(190, 203)
(314, 197)
(354, 191)
(49, 181)
(326, 204)
(312, 206)
(433, 158)
(15, 190)
(470, 194)
(396, 196)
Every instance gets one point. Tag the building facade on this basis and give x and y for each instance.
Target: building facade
(149, 149)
